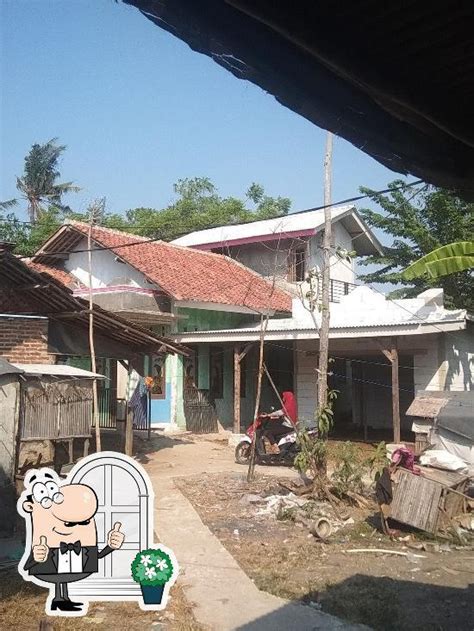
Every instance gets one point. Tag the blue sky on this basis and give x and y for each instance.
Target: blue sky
(138, 110)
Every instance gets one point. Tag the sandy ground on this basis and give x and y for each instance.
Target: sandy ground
(382, 591)
(385, 592)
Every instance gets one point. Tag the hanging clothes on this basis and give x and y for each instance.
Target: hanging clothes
(290, 406)
(139, 405)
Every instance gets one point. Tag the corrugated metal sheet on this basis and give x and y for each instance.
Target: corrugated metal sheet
(57, 370)
(279, 226)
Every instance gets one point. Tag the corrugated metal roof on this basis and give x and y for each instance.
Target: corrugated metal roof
(278, 226)
(362, 308)
(56, 370)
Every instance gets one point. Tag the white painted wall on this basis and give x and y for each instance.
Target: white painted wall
(443, 361)
(448, 363)
(305, 360)
(340, 270)
(271, 257)
(268, 258)
(106, 270)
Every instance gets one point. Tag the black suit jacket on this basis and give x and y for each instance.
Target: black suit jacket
(90, 560)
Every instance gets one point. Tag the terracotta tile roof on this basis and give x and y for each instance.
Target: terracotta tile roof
(59, 274)
(193, 275)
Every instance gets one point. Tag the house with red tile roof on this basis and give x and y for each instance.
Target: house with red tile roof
(169, 288)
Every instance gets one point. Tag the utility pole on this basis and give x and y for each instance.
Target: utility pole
(96, 211)
(325, 284)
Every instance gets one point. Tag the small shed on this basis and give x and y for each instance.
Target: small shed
(9, 412)
(444, 420)
(55, 409)
(41, 406)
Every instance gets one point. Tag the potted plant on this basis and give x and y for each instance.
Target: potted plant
(155, 571)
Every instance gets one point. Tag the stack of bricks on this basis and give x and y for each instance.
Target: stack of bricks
(24, 340)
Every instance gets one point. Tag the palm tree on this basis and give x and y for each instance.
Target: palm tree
(38, 185)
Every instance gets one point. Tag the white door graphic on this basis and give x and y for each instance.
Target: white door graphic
(124, 496)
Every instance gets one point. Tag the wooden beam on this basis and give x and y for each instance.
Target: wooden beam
(383, 345)
(237, 389)
(245, 351)
(395, 392)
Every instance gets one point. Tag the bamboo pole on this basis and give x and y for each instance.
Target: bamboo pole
(95, 398)
(263, 328)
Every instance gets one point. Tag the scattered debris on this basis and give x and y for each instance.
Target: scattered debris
(466, 521)
(383, 551)
(251, 498)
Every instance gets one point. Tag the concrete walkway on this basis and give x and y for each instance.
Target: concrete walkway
(224, 597)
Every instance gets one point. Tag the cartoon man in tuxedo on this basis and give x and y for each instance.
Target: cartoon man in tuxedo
(61, 535)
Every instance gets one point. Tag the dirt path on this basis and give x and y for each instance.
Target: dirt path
(382, 591)
(187, 454)
(225, 598)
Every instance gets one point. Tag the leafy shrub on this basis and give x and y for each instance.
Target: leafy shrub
(350, 470)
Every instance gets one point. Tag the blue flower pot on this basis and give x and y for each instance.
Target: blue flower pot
(152, 594)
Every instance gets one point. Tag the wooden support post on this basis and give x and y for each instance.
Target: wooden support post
(392, 355)
(86, 447)
(237, 389)
(395, 393)
(129, 433)
(71, 450)
(128, 430)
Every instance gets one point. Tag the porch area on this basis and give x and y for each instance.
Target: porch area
(374, 392)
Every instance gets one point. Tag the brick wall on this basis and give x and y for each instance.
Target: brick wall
(25, 341)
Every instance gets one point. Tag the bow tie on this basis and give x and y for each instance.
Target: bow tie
(67, 547)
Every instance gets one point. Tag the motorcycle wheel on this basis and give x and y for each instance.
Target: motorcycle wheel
(242, 453)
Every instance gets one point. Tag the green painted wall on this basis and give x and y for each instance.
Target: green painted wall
(204, 320)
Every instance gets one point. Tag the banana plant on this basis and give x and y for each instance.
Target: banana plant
(448, 259)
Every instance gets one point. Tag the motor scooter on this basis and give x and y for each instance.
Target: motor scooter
(287, 444)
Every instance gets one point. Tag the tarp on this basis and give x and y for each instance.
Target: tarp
(457, 415)
(8, 369)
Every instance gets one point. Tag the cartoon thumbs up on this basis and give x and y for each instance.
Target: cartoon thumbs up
(115, 538)
(41, 550)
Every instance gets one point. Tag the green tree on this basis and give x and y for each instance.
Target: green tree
(38, 186)
(29, 237)
(200, 206)
(420, 221)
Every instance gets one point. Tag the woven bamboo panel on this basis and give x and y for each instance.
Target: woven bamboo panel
(416, 500)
